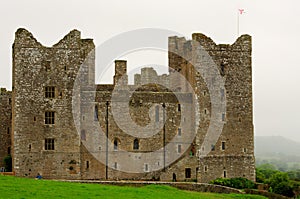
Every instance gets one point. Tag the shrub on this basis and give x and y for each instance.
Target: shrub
(284, 188)
(238, 183)
(267, 170)
(260, 176)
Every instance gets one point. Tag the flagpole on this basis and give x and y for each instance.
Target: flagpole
(238, 24)
(240, 12)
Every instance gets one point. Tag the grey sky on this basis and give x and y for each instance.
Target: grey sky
(274, 26)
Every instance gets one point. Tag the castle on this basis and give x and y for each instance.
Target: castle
(192, 124)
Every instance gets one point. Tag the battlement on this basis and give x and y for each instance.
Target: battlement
(4, 91)
(178, 44)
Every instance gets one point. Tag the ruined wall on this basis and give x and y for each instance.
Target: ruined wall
(45, 138)
(5, 125)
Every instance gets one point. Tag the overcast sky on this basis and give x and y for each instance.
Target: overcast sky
(274, 26)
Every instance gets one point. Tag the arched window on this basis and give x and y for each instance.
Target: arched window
(116, 144)
(136, 144)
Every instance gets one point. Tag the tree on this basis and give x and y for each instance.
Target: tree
(280, 184)
(294, 175)
(267, 170)
(284, 188)
(260, 176)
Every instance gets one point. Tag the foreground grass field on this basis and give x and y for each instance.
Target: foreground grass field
(13, 187)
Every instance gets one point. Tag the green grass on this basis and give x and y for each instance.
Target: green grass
(13, 187)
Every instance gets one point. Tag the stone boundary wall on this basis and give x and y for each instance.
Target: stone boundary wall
(199, 187)
(7, 173)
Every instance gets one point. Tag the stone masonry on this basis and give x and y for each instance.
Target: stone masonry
(5, 125)
(65, 126)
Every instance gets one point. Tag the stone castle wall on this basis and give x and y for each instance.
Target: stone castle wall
(35, 69)
(81, 149)
(233, 63)
(149, 76)
(5, 125)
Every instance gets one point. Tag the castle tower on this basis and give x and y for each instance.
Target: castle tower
(45, 138)
(232, 155)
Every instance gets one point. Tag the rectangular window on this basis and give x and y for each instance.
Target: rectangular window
(8, 150)
(8, 130)
(157, 114)
(146, 167)
(87, 164)
(47, 65)
(223, 145)
(96, 116)
(222, 94)
(205, 168)
(188, 172)
(179, 107)
(179, 148)
(223, 117)
(9, 101)
(83, 136)
(116, 165)
(212, 147)
(224, 174)
(49, 117)
(179, 131)
(49, 92)
(49, 144)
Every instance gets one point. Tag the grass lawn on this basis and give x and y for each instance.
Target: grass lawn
(13, 187)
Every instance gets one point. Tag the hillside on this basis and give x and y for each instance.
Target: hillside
(271, 145)
(277, 150)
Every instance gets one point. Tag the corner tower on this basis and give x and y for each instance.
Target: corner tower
(232, 155)
(45, 139)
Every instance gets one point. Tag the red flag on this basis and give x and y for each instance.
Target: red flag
(241, 11)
